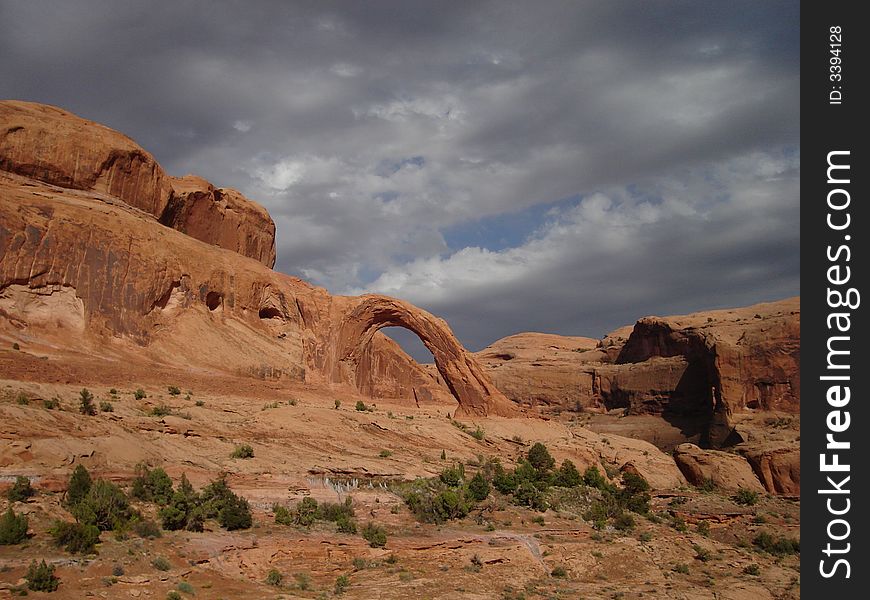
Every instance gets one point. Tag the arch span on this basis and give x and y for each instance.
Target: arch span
(469, 384)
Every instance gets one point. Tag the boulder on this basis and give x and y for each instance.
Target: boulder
(726, 471)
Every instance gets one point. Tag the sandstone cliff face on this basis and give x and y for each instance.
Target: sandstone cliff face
(57, 147)
(95, 259)
(221, 216)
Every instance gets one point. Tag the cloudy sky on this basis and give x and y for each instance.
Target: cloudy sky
(511, 166)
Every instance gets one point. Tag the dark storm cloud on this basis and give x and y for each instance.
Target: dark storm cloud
(370, 129)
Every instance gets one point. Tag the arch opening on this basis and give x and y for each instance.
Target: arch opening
(463, 376)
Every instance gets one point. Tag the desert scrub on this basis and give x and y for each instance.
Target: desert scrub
(361, 406)
(22, 399)
(161, 563)
(75, 538)
(274, 578)
(21, 490)
(78, 486)
(151, 485)
(51, 403)
(303, 581)
(13, 528)
(140, 394)
(185, 587)
(559, 571)
(385, 454)
(780, 546)
(86, 403)
(160, 410)
(147, 529)
(243, 451)
(199, 403)
(105, 505)
(173, 390)
(342, 582)
(478, 434)
(337, 404)
(41, 578)
(753, 570)
(375, 535)
(745, 497)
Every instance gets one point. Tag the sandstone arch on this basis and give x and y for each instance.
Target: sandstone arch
(469, 384)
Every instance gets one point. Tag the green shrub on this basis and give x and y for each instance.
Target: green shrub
(385, 454)
(113, 392)
(75, 538)
(78, 486)
(375, 535)
(105, 506)
(40, 577)
(746, 497)
(283, 516)
(559, 571)
(161, 563)
(117, 571)
(332, 511)
(452, 476)
(305, 512)
(16, 346)
(51, 403)
(527, 494)
(173, 390)
(161, 410)
(173, 595)
(346, 525)
(235, 514)
(361, 406)
(593, 478)
(701, 554)
(21, 490)
(147, 529)
(243, 451)
(504, 481)
(478, 487)
(703, 528)
(753, 570)
(274, 578)
(185, 587)
(681, 568)
(624, 522)
(478, 434)
(539, 457)
(22, 399)
(707, 485)
(151, 485)
(199, 403)
(337, 404)
(777, 546)
(140, 394)
(342, 582)
(303, 581)
(86, 403)
(13, 528)
(183, 510)
(106, 407)
(568, 475)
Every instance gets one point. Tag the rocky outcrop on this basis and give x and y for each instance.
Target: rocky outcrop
(543, 370)
(778, 467)
(221, 216)
(88, 261)
(725, 471)
(54, 146)
(57, 147)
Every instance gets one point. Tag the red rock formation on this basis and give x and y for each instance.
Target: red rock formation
(461, 373)
(83, 259)
(778, 467)
(726, 471)
(57, 147)
(222, 217)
